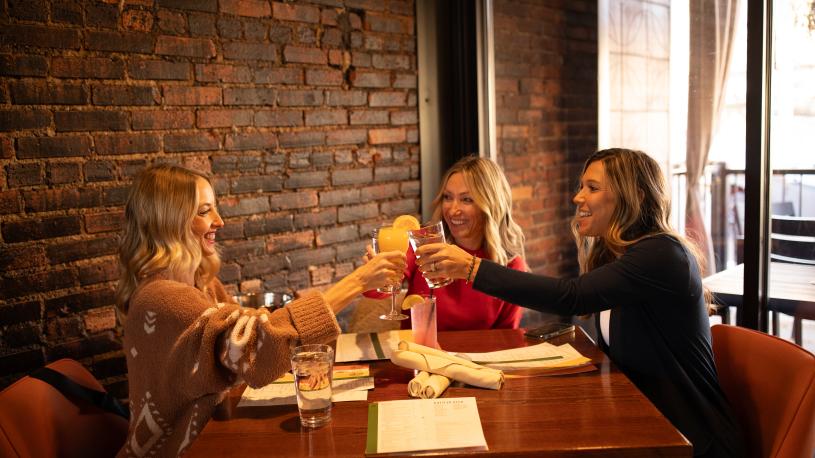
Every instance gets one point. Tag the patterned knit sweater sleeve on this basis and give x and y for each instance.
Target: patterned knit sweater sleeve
(184, 350)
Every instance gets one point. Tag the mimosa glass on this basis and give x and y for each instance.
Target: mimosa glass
(388, 238)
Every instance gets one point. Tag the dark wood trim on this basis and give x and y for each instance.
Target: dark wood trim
(757, 166)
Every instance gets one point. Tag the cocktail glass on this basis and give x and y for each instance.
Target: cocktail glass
(388, 238)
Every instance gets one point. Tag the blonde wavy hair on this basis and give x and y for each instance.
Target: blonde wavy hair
(503, 238)
(157, 235)
(642, 209)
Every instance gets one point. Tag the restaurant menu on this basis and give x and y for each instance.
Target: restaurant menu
(369, 346)
(350, 383)
(424, 424)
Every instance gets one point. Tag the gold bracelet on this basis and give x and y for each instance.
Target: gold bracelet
(472, 266)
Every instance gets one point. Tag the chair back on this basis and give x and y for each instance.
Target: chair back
(36, 420)
(793, 239)
(770, 384)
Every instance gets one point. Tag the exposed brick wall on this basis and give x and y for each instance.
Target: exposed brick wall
(546, 107)
(305, 112)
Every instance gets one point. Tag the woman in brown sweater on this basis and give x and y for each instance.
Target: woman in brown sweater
(186, 343)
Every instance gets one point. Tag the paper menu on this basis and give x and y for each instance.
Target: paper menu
(350, 383)
(544, 355)
(424, 424)
(369, 346)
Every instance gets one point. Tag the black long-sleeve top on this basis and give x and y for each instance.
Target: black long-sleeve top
(659, 331)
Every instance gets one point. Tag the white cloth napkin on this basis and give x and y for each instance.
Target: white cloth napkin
(427, 385)
(415, 356)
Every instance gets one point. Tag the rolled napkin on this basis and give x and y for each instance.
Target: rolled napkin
(415, 356)
(428, 386)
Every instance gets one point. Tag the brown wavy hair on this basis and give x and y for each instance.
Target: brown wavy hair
(642, 209)
(488, 186)
(157, 233)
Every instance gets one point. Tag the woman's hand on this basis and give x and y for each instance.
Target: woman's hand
(383, 269)
(439, 260)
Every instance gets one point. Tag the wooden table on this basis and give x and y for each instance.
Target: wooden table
(596, 413)
(791, 287)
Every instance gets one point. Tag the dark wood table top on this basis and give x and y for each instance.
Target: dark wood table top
(595, 413)
(791, 286)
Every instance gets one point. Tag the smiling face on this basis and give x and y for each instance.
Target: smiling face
(463, 217)
(206, 221)
(595, 202)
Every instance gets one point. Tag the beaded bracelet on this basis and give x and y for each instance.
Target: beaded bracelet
(472, 266)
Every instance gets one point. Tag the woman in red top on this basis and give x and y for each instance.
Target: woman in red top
(475, 203)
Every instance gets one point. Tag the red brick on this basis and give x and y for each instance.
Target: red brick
(326, 117)
(91, 274)
(241, 50)
(178, 95)
(223, 118)
(298, 54)
(250, 8)
(328, 16)
(340, 196)
(158, 70)
(295, 12)
(104, 222)
(337, 235)
(24, 119)
(9, 203)
(249, 96)
(62, 173)
(191, 142)
(23, 65)
(250, 140)
(61, 146)
(399, 118)
(39, 36)
(36, 283)
(101, 319)
(36, 229)
(162, 119)
(304, 259)
(222, 73)
(369, 117)
(99, 171)
(332, 38)
(188, 47)
(299, 98)
(302, 139)
(171, 22)
(287, 75)
(24, 174)
(87, 67)
(279, 118)
(43, 200)
(73, 121)
(388, 99)
(403, 81)
(370, 79)
(125, 95)
(127, 143)
(202, 24)
(231, 206)
(306, 180)
(357, 212)
(208, 6)
(6, 148)
(336, 57)
(321, 275)
(269, 225)
(42, 93)
(379, 192)
(346, 137)
(387, 23)
(74, 250)
(130, 42)
(85, 300)
(316, 77)
(316, 218)
(261, 183)
(360, 59)
(100, 15)
(138, 20)
(351, 176)
(397, 173)
(391, 61)
(291, 200)
(346, 98)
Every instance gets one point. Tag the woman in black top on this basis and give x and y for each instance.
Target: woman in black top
(643, 280)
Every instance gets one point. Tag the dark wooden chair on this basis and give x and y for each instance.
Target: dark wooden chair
(793, 241)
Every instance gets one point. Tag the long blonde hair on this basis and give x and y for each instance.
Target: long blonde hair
(503, 238)
(642, 209)
(157, 233)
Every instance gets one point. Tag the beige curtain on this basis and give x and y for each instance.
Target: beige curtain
(712, 28)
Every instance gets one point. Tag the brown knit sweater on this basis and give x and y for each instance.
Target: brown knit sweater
(186, 348)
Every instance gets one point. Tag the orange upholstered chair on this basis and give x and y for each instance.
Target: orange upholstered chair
(36, 420)
(770, 384)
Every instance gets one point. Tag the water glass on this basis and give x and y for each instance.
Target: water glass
(431, 233)
(312, 366)
(423, 322)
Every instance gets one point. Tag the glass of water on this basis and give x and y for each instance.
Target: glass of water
(313, 368)
(431, 233)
